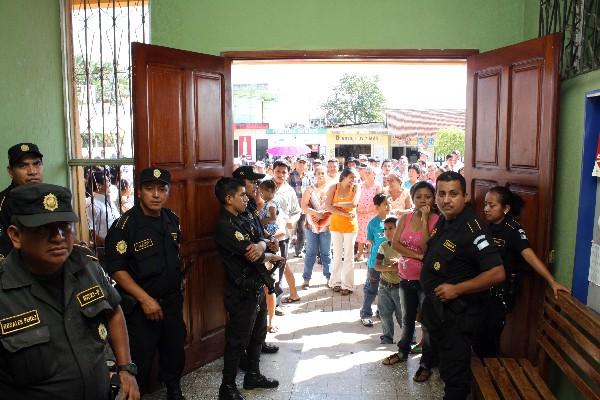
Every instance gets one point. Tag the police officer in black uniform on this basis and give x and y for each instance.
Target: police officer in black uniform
(501, 210)
(250, 179)
(142, 256)
(24, 166)
(57, 308)
(459, 265)
(243, 251)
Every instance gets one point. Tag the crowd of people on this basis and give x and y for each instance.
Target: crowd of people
(428, 256)
(68, 324)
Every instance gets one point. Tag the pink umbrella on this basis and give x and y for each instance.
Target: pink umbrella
(291, 150)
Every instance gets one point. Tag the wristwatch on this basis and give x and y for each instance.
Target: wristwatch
(131, 368)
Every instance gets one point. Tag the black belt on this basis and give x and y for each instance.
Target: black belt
(388, 284)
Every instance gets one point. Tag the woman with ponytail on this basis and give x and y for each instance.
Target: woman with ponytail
(501, 210)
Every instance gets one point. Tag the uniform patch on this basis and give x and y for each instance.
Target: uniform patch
(481, 242)
(239, 236)
(50, 202)
(24, 147)
(102, 332)
(90, 295)
(121, 247)
(437, 266)
(499, 242)
(143, 244)
(523, 235)
(450, 245)
(156, 173)
(20, 321)
(174, 236)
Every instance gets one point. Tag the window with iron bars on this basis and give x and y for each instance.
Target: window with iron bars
(579, 22)
(98, 36)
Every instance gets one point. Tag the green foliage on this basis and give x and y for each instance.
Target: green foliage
(357, 99)
(101, 77)
(449, 139)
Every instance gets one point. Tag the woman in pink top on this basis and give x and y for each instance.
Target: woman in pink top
(410, 240)
(366, 210)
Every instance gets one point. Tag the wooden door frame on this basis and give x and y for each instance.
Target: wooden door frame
(352, 54)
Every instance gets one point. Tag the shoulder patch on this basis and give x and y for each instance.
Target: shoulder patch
(481, 242)
(90, 295)
(450, 245)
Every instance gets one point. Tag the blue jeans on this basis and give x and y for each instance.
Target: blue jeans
(412, 297)
(370, 292)
(317, 243)
(389, 304)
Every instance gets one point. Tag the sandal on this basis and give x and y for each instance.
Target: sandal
(393, 359)
(288, 300)
(272, 329)
(422, 374)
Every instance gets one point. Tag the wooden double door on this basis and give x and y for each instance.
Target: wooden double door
(182, 122)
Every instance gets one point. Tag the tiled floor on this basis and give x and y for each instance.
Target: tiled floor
(325, 353)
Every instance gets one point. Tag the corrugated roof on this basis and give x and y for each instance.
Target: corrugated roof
(404, 123)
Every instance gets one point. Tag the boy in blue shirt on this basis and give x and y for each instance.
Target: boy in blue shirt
(375, 236)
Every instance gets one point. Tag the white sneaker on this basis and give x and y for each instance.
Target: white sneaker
(368, 322)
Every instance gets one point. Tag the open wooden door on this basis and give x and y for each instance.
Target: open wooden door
(182, 122)
(512, 110)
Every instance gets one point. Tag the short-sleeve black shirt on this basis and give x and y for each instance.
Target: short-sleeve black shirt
(458, 250)
(148, 249)
(50, 350)
(510, 237)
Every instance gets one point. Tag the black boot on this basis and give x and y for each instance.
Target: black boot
(174, 391)
(269, 348)
(254, 380)
(228, 391)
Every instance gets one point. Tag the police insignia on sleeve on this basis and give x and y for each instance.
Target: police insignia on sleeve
(239, 236)
(156, 173)
(121, 247)
(50, 202)
(102, 332)
(481, 242)
(437, 266)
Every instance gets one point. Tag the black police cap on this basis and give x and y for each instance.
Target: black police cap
(38, 204)
(155, 174)
(20, 149)
(247, 172)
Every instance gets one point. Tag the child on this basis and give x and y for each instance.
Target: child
(389, 283)
(375, 237)
(268, 213)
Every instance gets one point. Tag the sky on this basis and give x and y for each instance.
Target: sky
(300, 88)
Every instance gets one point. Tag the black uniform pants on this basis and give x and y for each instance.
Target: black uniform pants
(451, 334)
(167, 337)
(246, 330)
(487, 342)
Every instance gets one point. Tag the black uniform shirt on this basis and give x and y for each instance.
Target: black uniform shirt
(5, 215)
(148, 249)
(458, 250)
(51, 350)
(233, 234)
(511, 239)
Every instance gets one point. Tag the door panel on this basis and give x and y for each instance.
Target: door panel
(182, 122)
(512, 104)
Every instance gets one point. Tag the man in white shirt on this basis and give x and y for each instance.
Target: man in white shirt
(333, 175)
(100, 210)
(289, 213)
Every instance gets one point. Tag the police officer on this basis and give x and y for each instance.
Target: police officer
(250, 179)
(57, 308)
(142, 256)
(243, 251)
(24, 166)
(459, 265)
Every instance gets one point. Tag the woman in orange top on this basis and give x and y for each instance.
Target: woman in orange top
(342, 199)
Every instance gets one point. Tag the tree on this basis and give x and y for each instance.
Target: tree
(449, 139)
(357, 99)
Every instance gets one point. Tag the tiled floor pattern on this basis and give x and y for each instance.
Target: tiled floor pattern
(325, 353)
